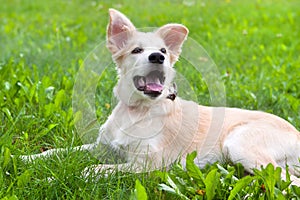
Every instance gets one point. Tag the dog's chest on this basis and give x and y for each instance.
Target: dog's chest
(141, 130)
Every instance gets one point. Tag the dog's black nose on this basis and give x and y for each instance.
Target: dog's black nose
(156, 58)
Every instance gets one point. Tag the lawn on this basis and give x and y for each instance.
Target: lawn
(255, 46)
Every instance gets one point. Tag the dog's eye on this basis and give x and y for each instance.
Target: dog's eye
(163, 50)
(137, 50)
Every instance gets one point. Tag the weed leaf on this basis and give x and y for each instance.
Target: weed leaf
(7, 157)
(139, 191)
(173, 189)
(192, 169)
(24, 178)
(211, 182)
(241, 184)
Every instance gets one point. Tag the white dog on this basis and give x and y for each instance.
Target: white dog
(152, 127)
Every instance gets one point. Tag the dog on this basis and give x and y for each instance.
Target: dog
(151, 127)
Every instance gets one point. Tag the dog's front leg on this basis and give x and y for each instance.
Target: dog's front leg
(51, 152)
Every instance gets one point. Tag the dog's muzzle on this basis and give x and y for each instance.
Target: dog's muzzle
(152, 84)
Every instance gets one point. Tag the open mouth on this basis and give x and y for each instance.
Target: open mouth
(152, 84)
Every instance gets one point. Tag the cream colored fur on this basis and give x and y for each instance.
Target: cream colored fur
(153, 132)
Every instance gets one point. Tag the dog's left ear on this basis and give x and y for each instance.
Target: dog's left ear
(173, 35)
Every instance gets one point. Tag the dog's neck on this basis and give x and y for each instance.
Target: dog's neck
(171, 96)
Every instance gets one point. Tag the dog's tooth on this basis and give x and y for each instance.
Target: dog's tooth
(141, 82)
(157, 80)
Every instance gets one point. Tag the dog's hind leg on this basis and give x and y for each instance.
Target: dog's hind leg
(51, 152)
(257, 146)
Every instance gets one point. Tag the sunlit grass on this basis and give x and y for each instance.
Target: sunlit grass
(255, 45)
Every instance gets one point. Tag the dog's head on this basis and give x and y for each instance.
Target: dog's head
(144, 59)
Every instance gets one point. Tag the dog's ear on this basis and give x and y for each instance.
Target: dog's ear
(173, 35)
(119, 30)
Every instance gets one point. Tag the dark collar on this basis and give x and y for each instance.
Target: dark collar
(171, 96)
(173, 92)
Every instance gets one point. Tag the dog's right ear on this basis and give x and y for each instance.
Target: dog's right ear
(119, 30)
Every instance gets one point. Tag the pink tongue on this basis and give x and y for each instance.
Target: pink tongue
(154, 87)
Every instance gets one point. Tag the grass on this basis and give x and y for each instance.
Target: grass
(255, 45)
